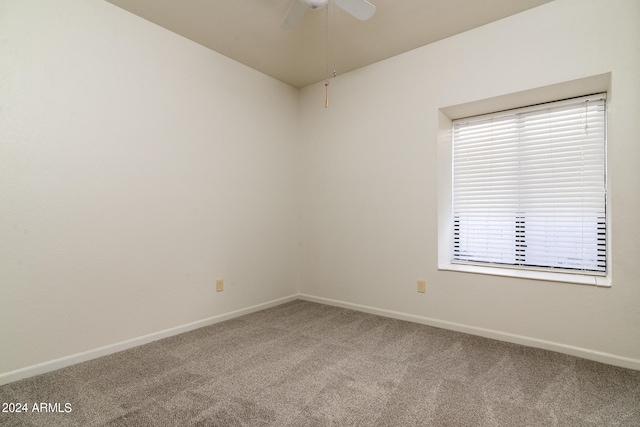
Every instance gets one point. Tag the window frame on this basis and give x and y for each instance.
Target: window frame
(446, 115)
(535, 143)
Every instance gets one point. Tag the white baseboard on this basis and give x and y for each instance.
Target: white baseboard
(73, 359)
(610, 359)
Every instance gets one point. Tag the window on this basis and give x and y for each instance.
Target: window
(529, 188)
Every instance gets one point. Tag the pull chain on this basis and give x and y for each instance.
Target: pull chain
(326, 52)
(326, 57)
(326, 94)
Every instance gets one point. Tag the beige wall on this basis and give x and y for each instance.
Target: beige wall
(370, 181)
(136, 168)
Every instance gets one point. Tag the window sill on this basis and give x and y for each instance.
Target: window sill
(581, 279)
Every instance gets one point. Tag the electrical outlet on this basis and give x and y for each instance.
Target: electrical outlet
(219, 285)
(422, 285)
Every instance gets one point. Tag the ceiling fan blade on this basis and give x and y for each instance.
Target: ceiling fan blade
(360, 9)
(294, 15)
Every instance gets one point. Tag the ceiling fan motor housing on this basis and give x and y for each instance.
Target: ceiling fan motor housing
(314, 4)
(359, 9)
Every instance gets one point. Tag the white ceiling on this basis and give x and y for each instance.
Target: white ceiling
(248, 31)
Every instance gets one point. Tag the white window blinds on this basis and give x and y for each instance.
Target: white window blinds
(529, 187)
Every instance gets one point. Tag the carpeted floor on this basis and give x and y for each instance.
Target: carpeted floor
(307, 364)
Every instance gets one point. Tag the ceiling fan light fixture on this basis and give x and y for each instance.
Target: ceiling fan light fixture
(314, 4)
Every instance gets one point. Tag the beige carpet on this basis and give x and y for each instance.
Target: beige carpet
(306, 364)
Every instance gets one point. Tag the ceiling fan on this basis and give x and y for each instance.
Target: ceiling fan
(360, 9)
